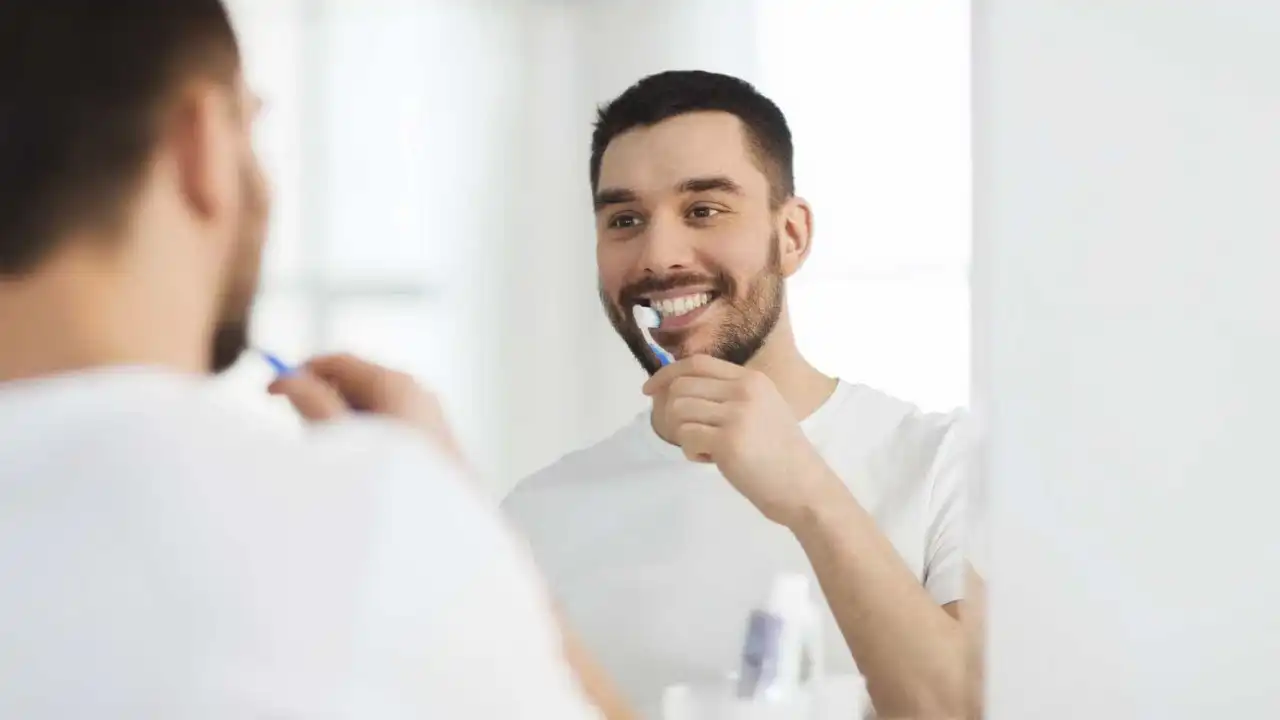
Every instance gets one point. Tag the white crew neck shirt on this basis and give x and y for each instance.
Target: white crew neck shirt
(165, 555)
(657, 560)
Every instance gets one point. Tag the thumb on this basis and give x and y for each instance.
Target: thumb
(313, 398)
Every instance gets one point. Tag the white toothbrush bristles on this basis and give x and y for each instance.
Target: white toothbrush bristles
(646, 317)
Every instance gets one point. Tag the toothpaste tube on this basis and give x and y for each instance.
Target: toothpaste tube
(782, 653)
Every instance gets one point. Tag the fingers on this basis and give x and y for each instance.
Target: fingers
(334, 385)
(698, 407)
(713, 389)
(704, 366)
(364, 385)
(697, 441)
(371, 388)
(682, 410)
(312, 397)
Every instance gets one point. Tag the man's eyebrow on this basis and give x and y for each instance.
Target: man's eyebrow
(618, 196)
(613, 196)
(708, 184)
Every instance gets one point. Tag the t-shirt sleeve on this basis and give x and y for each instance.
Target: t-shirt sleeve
(454, 621)
(950, 539)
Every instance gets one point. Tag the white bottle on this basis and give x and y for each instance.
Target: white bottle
(782, 653)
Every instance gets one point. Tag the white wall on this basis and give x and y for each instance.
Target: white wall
(1128, 251)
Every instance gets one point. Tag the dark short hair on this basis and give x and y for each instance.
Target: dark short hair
(83, 84)
(678, 92)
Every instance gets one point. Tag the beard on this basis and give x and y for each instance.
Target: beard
(230, 340)
(750, 316)
(231, 332)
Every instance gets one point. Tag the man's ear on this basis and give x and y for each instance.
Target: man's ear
(795, 234)
(201, 138)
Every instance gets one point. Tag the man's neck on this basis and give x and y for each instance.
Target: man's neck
(72, 318)
(803, 386)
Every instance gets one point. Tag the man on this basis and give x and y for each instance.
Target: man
(162, 555)
(660, 539)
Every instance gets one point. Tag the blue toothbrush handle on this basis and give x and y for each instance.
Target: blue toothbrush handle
(279, 366)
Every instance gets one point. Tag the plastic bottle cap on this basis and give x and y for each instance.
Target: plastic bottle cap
(790, 595)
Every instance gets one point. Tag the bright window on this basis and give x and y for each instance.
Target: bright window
(353, 260)
(877, 96)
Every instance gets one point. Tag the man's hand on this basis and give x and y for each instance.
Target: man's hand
(734, 417)
(332, 386)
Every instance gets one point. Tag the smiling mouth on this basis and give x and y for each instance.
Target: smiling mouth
(681, 305)
(679, 312)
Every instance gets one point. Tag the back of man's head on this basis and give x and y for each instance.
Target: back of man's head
(83, 85)
(124, 128)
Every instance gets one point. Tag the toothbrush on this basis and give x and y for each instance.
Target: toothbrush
(282, 369)
(648, 319)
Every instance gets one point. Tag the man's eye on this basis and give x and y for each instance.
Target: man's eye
(624, 222)
(702, 212)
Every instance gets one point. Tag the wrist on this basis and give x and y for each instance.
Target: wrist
(819, 494)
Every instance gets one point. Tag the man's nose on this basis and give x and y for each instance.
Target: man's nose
(667, 247)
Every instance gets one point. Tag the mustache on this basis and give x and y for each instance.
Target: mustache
(721, 283)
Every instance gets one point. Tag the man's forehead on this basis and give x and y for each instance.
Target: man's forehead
(657, 158)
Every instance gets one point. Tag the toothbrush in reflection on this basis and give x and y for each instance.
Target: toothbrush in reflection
(648, 319)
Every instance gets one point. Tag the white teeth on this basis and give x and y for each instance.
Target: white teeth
(674, 307)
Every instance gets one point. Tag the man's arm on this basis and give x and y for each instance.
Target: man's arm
(915, 654)
(597, 686)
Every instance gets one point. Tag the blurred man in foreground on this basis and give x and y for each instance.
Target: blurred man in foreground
(163, 556)
(751, 462)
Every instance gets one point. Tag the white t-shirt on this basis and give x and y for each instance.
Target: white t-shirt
(658, 561)
(164, 555)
